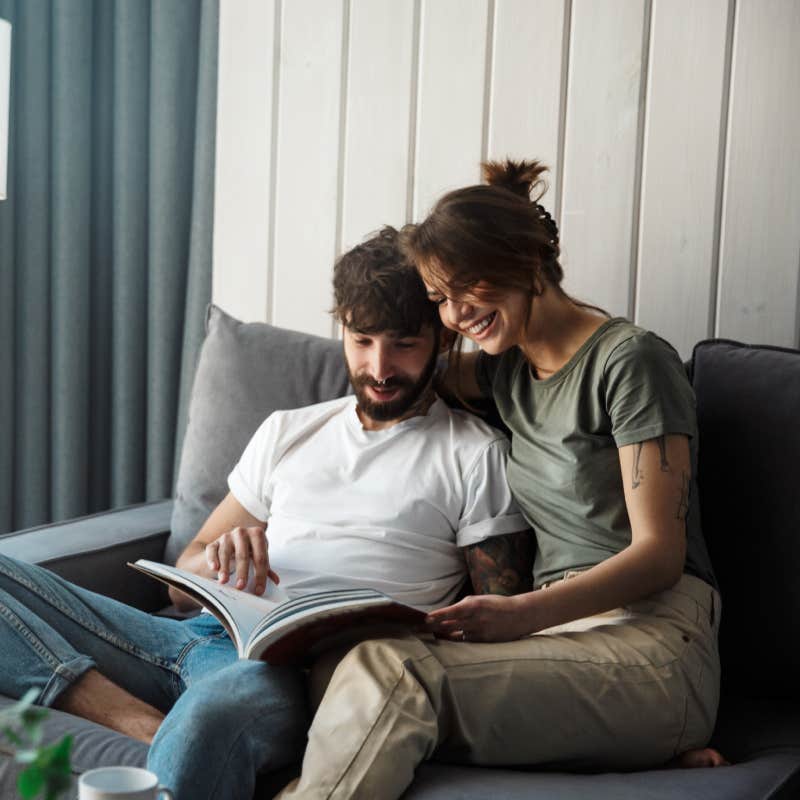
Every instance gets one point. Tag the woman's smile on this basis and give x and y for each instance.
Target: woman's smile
(481, 328)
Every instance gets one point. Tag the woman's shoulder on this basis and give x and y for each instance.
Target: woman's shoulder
(627, 345)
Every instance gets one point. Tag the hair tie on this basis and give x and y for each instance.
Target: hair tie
(549, 223)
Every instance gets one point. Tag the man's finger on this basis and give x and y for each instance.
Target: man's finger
(224, 553)
(241, 542)
(211, 555)
(258, 549)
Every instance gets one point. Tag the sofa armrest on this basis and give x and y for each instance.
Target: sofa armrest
(93, 551)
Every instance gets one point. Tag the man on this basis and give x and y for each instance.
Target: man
(388, 489)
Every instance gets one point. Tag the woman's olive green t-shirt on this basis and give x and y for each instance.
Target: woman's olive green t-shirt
(624, 385)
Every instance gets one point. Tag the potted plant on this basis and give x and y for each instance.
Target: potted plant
(47, 766)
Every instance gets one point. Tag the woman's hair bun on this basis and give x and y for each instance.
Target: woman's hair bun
(520, 177)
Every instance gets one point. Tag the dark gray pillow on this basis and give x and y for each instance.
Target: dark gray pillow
(244, 373)
(748, 412)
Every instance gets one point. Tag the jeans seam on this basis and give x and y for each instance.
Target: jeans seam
(189, 646)
(61, 670)
(115, 641)
(30, 638)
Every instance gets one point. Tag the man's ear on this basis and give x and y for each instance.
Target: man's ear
(447, 339)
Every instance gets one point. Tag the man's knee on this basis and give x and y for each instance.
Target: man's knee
(250, 688)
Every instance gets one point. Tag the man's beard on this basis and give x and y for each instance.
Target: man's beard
(410, 392)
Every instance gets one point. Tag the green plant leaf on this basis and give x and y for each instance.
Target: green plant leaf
(30, 782)
(27, 756)
(12, 737)
(13, 714)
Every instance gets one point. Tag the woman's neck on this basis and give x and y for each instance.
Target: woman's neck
(556, 330)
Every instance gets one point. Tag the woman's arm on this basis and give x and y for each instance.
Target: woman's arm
(655, 476)
(459, 380)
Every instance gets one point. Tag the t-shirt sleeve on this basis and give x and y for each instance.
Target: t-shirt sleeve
(248, 478)
(489, 508)
(647, 392)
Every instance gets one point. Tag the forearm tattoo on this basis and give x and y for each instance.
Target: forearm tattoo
(502, 564)
(638, 472)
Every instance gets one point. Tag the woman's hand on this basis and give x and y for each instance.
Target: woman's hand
(483, 618)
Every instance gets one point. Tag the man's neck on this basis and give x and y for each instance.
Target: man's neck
(419, 409)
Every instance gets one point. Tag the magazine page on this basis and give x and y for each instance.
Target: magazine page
(239, 611)
(303, 627)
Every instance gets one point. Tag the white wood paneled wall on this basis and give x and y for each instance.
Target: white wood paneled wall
(672, 128)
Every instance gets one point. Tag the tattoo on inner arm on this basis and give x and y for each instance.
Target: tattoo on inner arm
(637, 469)
(502, 564)
(638, 472)
(683, 502)
(662, 451)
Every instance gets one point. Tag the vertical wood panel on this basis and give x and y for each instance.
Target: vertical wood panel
(679, 179)
(451, 98)
(378, 109)
(601, 150)
(307, 167)
(758, 284)
(526, 83)
(243, 146)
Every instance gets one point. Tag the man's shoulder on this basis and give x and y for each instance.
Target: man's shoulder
(293, 419)
(469, 429)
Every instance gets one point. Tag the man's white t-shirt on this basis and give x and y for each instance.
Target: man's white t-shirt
(384, 509)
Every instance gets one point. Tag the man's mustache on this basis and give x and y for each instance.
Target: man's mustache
(395, 382)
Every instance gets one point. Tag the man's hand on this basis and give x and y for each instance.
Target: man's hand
(235, 550)
(212, 554)
(480, 618)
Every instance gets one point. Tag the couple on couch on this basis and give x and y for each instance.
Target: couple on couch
(607, 658)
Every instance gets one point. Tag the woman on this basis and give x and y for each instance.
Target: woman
(611, 662)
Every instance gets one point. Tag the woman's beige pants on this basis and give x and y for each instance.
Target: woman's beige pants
(627, 689)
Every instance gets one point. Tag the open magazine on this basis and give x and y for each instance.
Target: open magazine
(281, 629)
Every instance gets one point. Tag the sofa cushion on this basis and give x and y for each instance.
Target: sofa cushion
(770, 776)
(245, 372)
(748, 406)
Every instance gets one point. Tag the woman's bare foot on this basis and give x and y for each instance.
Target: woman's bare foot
(707, 757)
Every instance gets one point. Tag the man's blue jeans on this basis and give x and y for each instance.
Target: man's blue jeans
(226, 719)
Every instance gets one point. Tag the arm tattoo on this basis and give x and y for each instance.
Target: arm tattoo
(662, 450)
(683, 502)
(638, 472)
(502, 564)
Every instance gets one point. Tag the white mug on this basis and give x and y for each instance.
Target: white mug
(121, 783)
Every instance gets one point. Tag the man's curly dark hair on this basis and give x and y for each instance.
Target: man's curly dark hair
(376, 289)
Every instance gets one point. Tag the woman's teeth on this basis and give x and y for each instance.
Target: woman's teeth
(482, 325)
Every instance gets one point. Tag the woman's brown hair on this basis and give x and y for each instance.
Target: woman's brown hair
(494, 233)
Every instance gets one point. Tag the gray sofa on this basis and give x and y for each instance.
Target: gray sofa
(748, 409)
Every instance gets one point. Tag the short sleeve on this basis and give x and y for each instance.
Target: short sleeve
(647, 392)
(249, 477)
(489, 509)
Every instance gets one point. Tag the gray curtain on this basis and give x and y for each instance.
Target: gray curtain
(105, 249)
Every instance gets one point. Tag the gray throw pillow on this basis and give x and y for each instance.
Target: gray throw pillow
(748, 405)
(245, 372)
